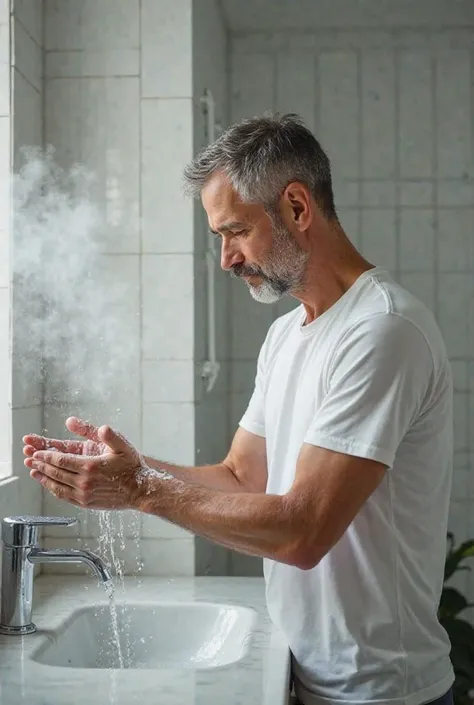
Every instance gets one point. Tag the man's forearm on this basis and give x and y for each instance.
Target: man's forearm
(217, 477)
(254, 523)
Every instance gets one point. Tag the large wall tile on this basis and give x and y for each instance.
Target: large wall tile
(378, 237)
(29, 492)
(415, 135)
(4, 10)
(167, 284)
(213, 435)
(169, 433)
(456, 312)
(4, 90)
(30, 14)
(27, 56)
(92, 64)
(96, 122)
(5, 43)
(460, 484)
(350, 221)
(378, 113)
(416, 193)
(250, 324)
(152, 527)
(421, 285)
(166, 49)
(27, 118)
(340, 112)
(455, 192)
(166, 149)
(295, 88)
(92, 24)
(159, 558)
(456, 240)
(453, 114)
(252, 84)
(378, 194)
(238, 405)
(461, 425)
(5, 376)
(417, 240)
(168, 381)
(5, 192)
(5, 246)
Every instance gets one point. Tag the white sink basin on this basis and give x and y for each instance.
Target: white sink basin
(194, 635)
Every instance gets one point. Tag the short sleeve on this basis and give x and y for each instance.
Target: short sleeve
(377, 383)
(254, 418)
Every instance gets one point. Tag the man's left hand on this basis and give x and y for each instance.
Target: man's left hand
(107, 481)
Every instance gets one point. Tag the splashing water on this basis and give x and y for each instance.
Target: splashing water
(69, 294)
(71, 302)
(110, 588)
(109, 534)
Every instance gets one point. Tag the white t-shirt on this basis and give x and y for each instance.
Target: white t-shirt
(369, 377)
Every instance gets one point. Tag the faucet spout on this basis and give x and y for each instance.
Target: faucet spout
(20, 552)
(71, 555)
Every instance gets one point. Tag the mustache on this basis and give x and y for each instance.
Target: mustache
(239, 270)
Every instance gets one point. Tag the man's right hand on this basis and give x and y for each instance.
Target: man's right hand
(90, 446)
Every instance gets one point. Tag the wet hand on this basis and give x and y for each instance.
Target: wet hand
(101, 473)
(91, 446)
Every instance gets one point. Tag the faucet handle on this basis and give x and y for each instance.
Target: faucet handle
(23, 530)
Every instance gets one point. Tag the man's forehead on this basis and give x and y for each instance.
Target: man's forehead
(218, 190)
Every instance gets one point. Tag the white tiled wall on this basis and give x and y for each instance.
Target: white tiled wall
(20, 123)
(5, 147)
(393, 110)
(27, 130)
(122, 97)
(209, 60)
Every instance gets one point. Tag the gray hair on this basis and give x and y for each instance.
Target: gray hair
(261, 156)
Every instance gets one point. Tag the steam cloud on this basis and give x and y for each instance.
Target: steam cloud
(68, 299)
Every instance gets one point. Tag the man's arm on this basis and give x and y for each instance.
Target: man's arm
(243, 470)
(297, 528)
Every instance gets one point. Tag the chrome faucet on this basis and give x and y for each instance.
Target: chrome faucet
(20, 553)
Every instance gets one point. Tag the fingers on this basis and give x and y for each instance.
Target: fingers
(114, 440)
(57, 489)
(65, 461)
(43, 443)
(82, 428)
(61, 477)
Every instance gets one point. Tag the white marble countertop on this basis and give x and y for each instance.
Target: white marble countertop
(260, 678)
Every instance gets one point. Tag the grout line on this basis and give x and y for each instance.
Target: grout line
(398, 188)
(470, 364)
(407, 179)
(26, 31)
(434, 194)
(360, 160)
(227, 110)
(317, 94)
(103, 77)
(39, 91)
(140, 219)
(275, 106)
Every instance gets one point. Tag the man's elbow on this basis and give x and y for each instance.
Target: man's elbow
(302, 555)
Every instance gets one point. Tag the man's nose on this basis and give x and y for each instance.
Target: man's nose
(230, 255)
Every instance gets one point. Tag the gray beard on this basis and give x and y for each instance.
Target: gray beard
(283, 272)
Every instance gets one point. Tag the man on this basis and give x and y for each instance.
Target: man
(339, 474)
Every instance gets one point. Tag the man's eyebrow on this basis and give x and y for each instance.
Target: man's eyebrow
(234, 225)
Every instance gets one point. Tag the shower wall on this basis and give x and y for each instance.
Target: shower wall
(123, 82)
(21, 123)
(393, 108)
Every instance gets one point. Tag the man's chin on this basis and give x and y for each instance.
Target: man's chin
(263, 293)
